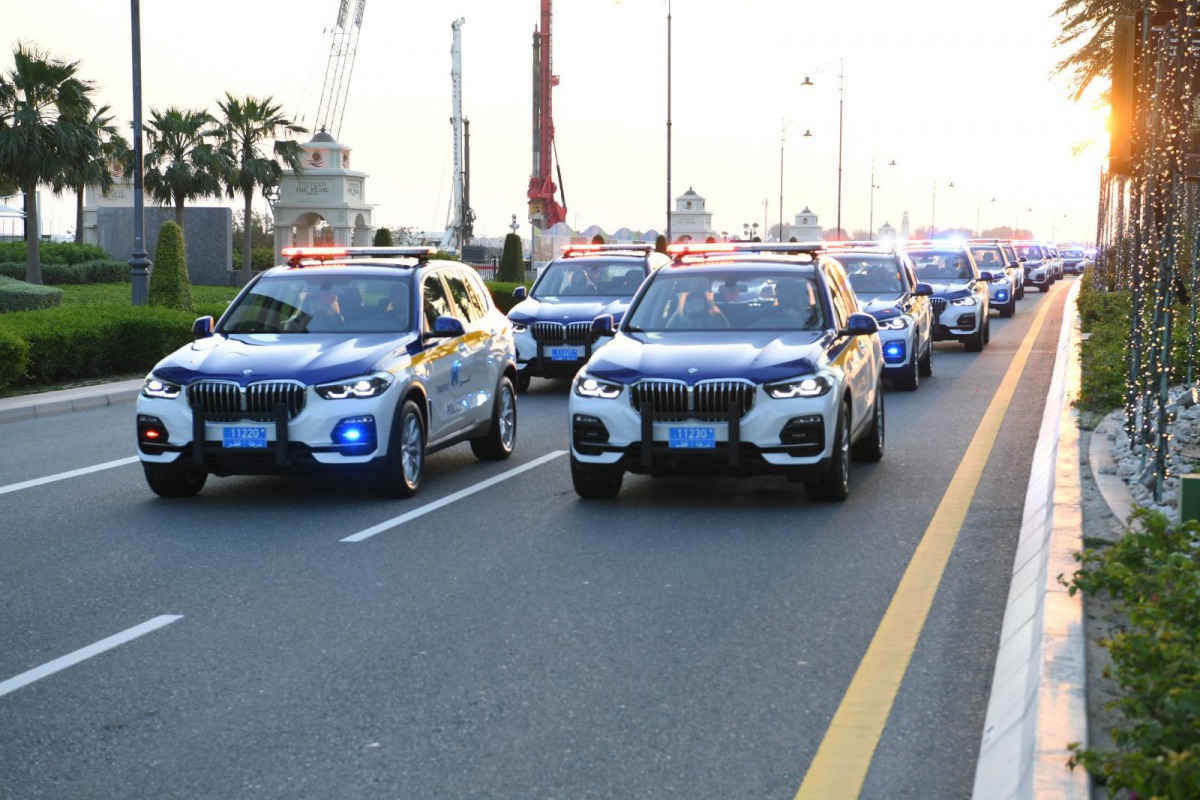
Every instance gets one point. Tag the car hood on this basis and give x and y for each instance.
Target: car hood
(309, 358)
(759, 356)
(575, 309)
(950, 290)
(880, 306)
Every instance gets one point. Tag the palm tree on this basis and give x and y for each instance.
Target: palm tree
(249, 122)
(44, 114)
(181, 163)
(107, 151)
(1088, 26)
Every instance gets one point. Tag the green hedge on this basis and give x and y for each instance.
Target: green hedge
(1153, 573)
(20, 296)
(97, 271)
(502, 294)
(76, 342)
(53, 253)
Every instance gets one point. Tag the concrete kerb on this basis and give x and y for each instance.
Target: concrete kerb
(1038, 703)
(82, 398)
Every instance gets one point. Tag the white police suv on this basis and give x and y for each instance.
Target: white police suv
(346, 360)
(552, 323)
(960, 299)
(737, 359)
(1038, 265)
(886, 286)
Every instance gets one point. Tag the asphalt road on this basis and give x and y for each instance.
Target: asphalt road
(692, 638)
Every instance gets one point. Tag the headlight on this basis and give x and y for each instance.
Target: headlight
(519, 327)
(810, 386)
(155, 387)
(965, 301)
(360, 388)
(587, 386)
(895, 323)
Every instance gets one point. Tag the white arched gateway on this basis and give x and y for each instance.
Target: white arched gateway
(326, 190)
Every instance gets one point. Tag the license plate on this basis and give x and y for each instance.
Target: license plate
(693, 438)
(244, 437)
(564, 354)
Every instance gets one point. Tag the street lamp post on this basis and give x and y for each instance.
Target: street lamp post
(782, 139)
(139, 262)
(749, 231)
(668, 121)
(841, 106)
(933, 210)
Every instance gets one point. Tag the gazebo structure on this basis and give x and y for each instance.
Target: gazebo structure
(327, 189)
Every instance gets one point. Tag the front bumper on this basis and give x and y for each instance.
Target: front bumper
(542, 359)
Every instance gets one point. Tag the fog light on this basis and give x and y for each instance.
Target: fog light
(893, 352)
(356, 432)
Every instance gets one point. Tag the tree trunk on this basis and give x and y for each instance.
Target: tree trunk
(247, 267)
(33, 252)
(79, 215)
(179, 211)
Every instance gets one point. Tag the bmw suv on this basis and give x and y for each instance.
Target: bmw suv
(347, 361)
(736, 359)
(552, 322)
(886, 286)
(961, 302)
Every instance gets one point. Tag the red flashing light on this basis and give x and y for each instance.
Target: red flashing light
(314, 252)
(150, 433)
(701, 247)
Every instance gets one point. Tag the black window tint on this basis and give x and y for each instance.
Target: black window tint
(477, 293)
(468, 311)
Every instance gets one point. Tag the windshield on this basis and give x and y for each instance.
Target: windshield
(739, 299)
(1032, 252)
(297, 303)
(869, 274)
(988, 256)
(591, 276)
(945, 266)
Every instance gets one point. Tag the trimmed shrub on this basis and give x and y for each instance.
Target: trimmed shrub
(99, 271)
(70, 343)
(14, 356)
(169, 287)
(597, 239)
(21, 296)
(660, 244)
(383, 238)
(261, 258)
(512, 262)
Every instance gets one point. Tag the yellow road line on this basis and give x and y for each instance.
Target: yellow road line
(840, 766)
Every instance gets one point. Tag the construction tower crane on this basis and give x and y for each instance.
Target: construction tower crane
(341, 64)
(460, 228)
(544, 211)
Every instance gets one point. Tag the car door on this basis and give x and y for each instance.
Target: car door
(919, 309)
(475, 383)
(443, 358)
(862, 358)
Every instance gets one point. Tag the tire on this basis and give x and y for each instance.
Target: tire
(834, 485)
(401, 476)
(977, 340)
(925, 365)
(523, 379)
(870, 447)
(911, 378)
(497, 444)
(1009, 308)
(1045, 287)
(170, 480)
(987, 330)
(594, 482)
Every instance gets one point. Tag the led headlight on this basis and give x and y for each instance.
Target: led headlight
(809, 386)
(969, 300)
(519, 327)
(358, 388)
(587, 386)
(156, 387)
(895, 323)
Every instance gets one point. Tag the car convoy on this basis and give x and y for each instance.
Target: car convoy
(732, 358)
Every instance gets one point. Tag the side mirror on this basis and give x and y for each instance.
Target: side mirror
(444, 328)
(860, 325)
(520, 293)
(604, 325)
(987, 276)
(202, 328)
(923, 290)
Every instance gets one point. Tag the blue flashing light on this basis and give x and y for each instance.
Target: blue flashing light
(358, 432)
(1002, 296)
(893, 352)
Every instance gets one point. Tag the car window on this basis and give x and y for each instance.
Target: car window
(843, 300)
(435, 302)
(322, 303)
(988, 256)
(590, 276)
(943, 266)
(872, 274)
(469, 311)
(1029, 251)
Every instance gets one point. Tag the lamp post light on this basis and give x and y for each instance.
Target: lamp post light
(749, 231)
(874, 186)
(841, 105)
(978, 213)
(782, 139)
(139, 262)
(933, 209)
(668, 121)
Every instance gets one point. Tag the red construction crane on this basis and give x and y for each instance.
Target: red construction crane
(544, 211)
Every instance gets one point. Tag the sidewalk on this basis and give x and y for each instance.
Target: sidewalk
(81, 398)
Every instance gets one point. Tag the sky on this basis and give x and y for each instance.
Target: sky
(952, 91)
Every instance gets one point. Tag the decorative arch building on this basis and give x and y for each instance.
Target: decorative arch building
(690, 219)
(328, 190)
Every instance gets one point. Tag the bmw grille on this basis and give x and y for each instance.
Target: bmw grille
(707, 400)
(225, 401)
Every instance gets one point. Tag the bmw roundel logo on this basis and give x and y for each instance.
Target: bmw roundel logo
(693, 370)
(247, 372)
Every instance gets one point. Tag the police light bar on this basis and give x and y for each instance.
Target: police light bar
(702, 248)
(572, 249)
(861, 245)
(296, 255)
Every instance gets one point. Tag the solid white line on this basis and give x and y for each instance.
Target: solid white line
(448, 499)
(62, 476)
(83, 654)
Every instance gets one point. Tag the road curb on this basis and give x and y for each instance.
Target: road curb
(1112, 488)
(63, 401)
(1038, 702)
